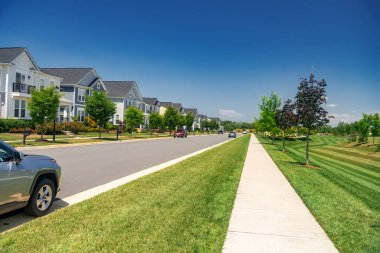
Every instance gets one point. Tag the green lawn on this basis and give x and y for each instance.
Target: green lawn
(343, 194)
(183, 208)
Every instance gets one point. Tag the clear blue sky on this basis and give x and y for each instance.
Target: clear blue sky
(218, 56)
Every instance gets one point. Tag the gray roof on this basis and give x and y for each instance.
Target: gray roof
(177, 106)
(69, 75)
(8, 54)
(214, 118)
(194, 111)
(118, 89)
(150, 101)
(202, 116)
(166, 104)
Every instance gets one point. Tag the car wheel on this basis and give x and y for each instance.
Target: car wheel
(42, 198)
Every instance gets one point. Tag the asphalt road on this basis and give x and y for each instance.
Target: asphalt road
(85, 167)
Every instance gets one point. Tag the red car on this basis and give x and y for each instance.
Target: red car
(180, 133)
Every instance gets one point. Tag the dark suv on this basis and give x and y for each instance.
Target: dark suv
(30, 181)
(180, 133)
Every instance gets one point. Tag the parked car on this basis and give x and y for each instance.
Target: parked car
(220, 132)
(244, 132)
(231, 134)
(30, 181)
(180, 133)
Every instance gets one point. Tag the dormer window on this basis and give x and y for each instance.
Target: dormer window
(98, 86)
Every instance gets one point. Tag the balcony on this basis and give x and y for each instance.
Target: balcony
(23, 88)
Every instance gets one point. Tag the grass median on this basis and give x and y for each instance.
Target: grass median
(183, 208)
(343, 194)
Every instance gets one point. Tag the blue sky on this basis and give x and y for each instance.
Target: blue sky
(218, 56)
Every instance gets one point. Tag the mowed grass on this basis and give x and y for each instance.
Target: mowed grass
(183, 208)
(343, 194)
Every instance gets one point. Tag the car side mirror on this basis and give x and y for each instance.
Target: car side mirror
(18, 156)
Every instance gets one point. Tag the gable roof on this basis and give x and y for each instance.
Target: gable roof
(8, 54)
(194, 111)
(68, 75)
(118, 89)
(166, 104)
(177, 106)
(150, 101)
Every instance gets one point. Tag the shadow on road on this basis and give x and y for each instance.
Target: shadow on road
(16, 218)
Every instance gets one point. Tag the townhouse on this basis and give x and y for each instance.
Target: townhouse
(19, 76)
(124, 94)
(76, 84)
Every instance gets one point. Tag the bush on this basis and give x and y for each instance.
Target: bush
(7, 124)
(20, 130)
(74, 127)
(48, 128)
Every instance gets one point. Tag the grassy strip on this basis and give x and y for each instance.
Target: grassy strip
(184, 208)
(347, 207)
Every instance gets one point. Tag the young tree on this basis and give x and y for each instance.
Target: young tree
(189, 121)
(286, 118)
(155, 120)
(171, 119)
(375, 126)
(181, 121)
(205, 125)
(43, 106)
(268, 107)
(310, 97)
(133, 118)
(100, 108)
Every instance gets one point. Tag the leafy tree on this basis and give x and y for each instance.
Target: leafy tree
(205, 125)
(375, 126)
(268, 108)
(181, 121)
(213, 125)
(155, 120)
(43, 106)
(133, 118)
(171, 119)
(189, 121)
(285, 119)
(100, 108)
(310, 97)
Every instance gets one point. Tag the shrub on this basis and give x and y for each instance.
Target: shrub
(7, 124)
(74, 127)
(20, 130)
(48, 128)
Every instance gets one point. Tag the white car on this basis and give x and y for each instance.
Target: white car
(244, 132)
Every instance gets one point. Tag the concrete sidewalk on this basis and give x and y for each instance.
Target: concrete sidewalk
(268, 215)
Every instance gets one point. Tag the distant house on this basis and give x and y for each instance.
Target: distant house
(19, 75)
(197, 120)
(77, 83)
(177, 106)
(151, 105)
(124, 94)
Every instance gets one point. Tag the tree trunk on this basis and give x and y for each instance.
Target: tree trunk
(42, 134)
(283, 141)
(307, 147)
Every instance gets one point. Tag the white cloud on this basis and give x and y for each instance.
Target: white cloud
(229, 114)
(343, 117)
(332, 105)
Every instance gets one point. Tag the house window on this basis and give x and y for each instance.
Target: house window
(52, 83)
(81, 95)
(42, 84)
(20, 106)
(80, 114)
(20, 78)
(117, 118)
(98, 86)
